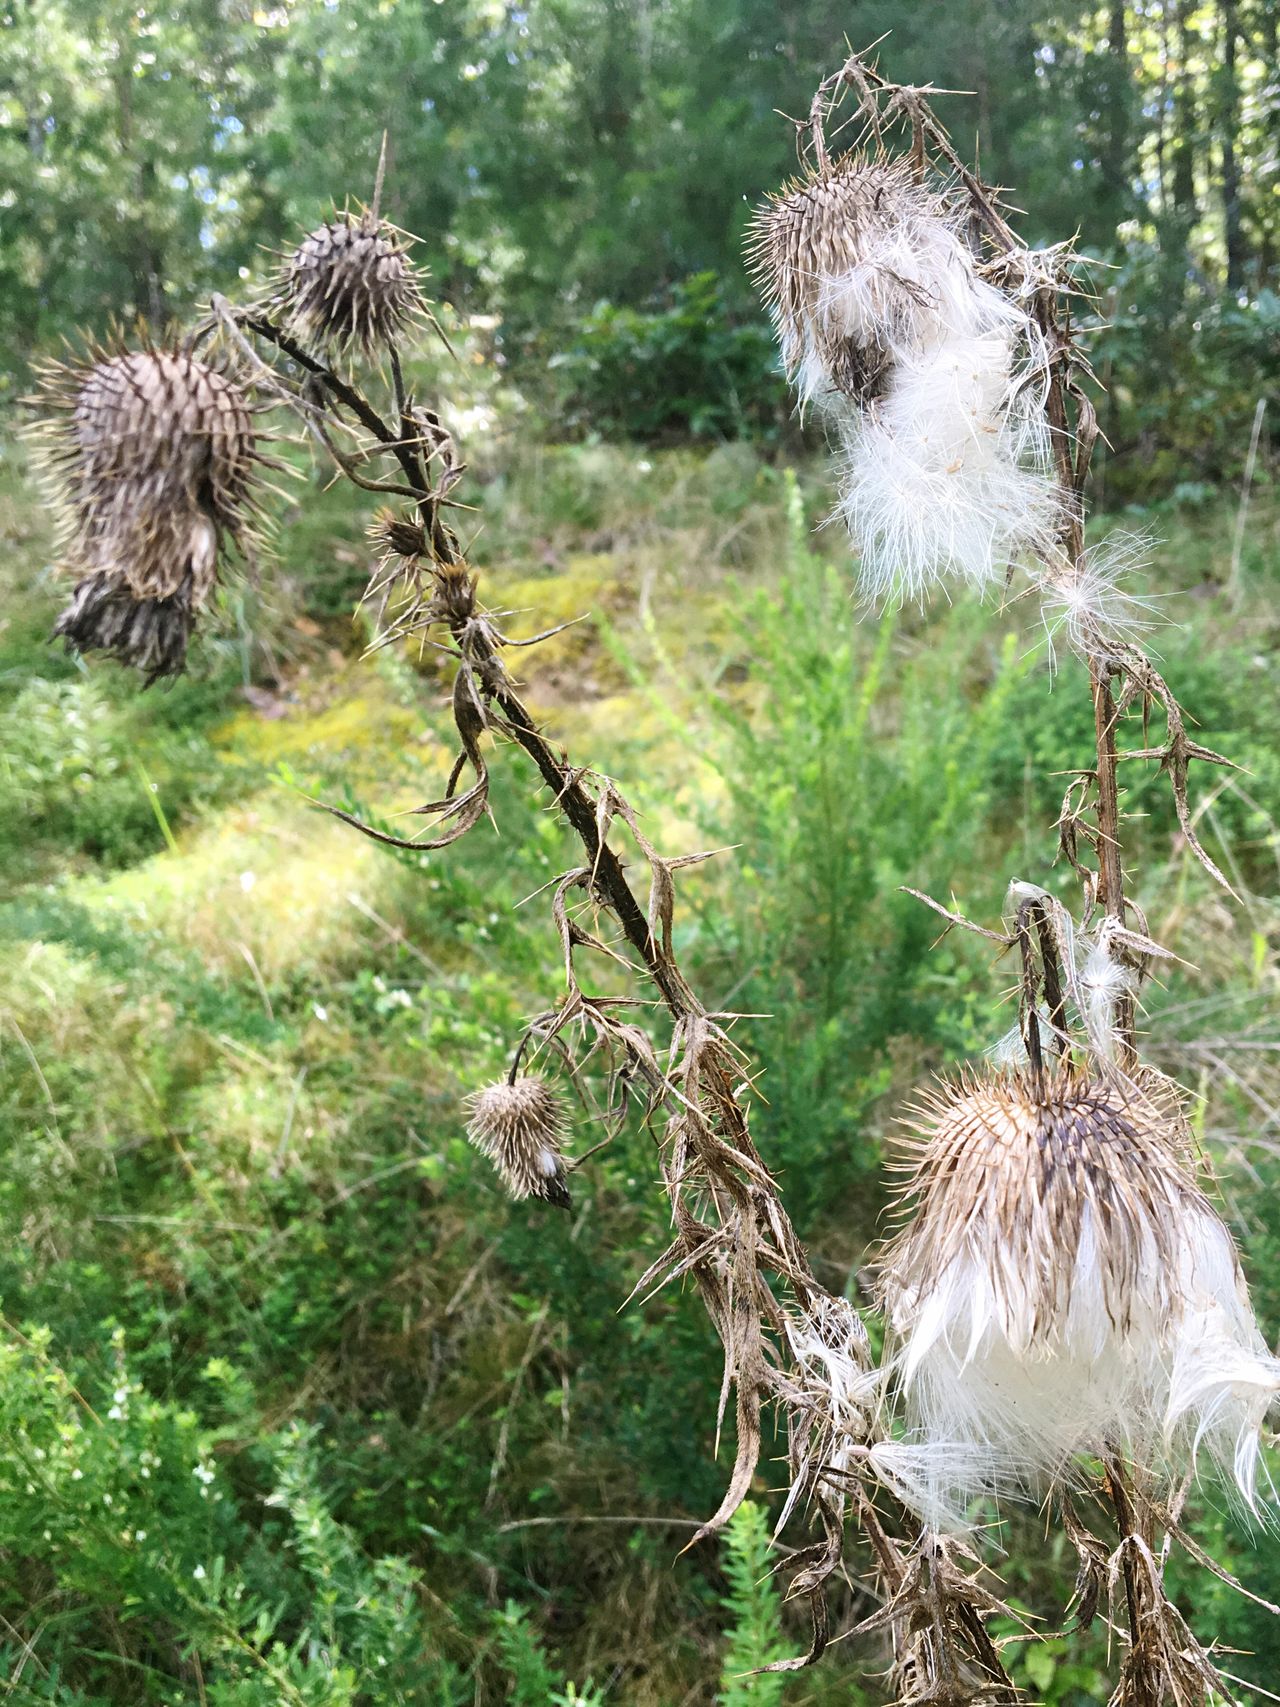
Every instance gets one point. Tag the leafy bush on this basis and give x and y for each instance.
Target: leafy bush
(683, 369)
(753, 1606)
(840, 786)
(1184, 372)
(249, 1207)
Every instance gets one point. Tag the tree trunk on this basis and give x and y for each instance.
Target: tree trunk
(1117, 141)
(1270, 19)
(1184, 119)
(1230, 124)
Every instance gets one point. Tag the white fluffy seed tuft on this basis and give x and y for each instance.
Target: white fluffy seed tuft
(929, 376)
(948, 474)
(1090, 605)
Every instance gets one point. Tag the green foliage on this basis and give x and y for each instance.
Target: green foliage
(845, 781)
(149, 155)
(532, 1681)
(121, 1521)
(84, 768)
(1188, 416)
(753, 1608)
(683, 370)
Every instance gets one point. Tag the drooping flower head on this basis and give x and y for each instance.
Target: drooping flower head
(920, 364)
(1063, 1287)
(153, 457)
(520, 1125)
(351, 281)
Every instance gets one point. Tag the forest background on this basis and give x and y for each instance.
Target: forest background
(293, 1405)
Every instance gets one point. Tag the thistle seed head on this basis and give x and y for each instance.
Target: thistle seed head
(862, 267)
(810, 234)
(520, 1126)
(1064, 1287)
(453, 594)
(152, 456)
(351, 282)
(1022, 1165)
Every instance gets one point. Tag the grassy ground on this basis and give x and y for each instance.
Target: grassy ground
(295, 1406)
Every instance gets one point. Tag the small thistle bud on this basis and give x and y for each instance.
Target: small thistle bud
(397, 536)
(520, 1125)
(1065, 1288)
(453, 593)
(153, 457)
(351, 281)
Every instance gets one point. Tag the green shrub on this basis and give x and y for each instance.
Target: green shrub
(685, 369)
(1185, 371)
(753, 1607)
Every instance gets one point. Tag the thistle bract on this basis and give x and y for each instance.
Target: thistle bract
(1064, 1287)
(520, 1126)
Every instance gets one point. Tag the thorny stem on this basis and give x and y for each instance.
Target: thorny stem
(1072, 445)
(559, 776)
(609, 878)
(1110, 869)
(1073, 432)
(732, 1232)
(1144, 1679)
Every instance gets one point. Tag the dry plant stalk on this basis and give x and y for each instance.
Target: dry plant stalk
(351, 293)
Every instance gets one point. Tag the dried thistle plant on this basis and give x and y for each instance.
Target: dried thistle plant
(1056, 1220)
(1063, 1288)
(926, 372)
(351, 281)
(519, 1124)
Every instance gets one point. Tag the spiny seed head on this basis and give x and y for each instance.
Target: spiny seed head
(351, 281)
(152, 456)
(1019, 1163)
(520, 1126)
(453, 592)
(397, 536)
(151, 635)
(1064, 1288)
(818, 231)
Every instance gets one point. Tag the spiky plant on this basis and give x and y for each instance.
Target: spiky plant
(519, 1124)
(921, 367)
(1057, 1227)
(352, 281)
(1063, 1290)
(154, 461)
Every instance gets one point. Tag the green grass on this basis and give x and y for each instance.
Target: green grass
(380, 1411)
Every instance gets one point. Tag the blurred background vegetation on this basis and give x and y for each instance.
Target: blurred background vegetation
(294, 1407)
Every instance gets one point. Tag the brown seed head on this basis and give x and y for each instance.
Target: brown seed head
(816, 231)
(153, 458)
(453, 593)
(520, 1126)
(351, 281)
(1012, 1168)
